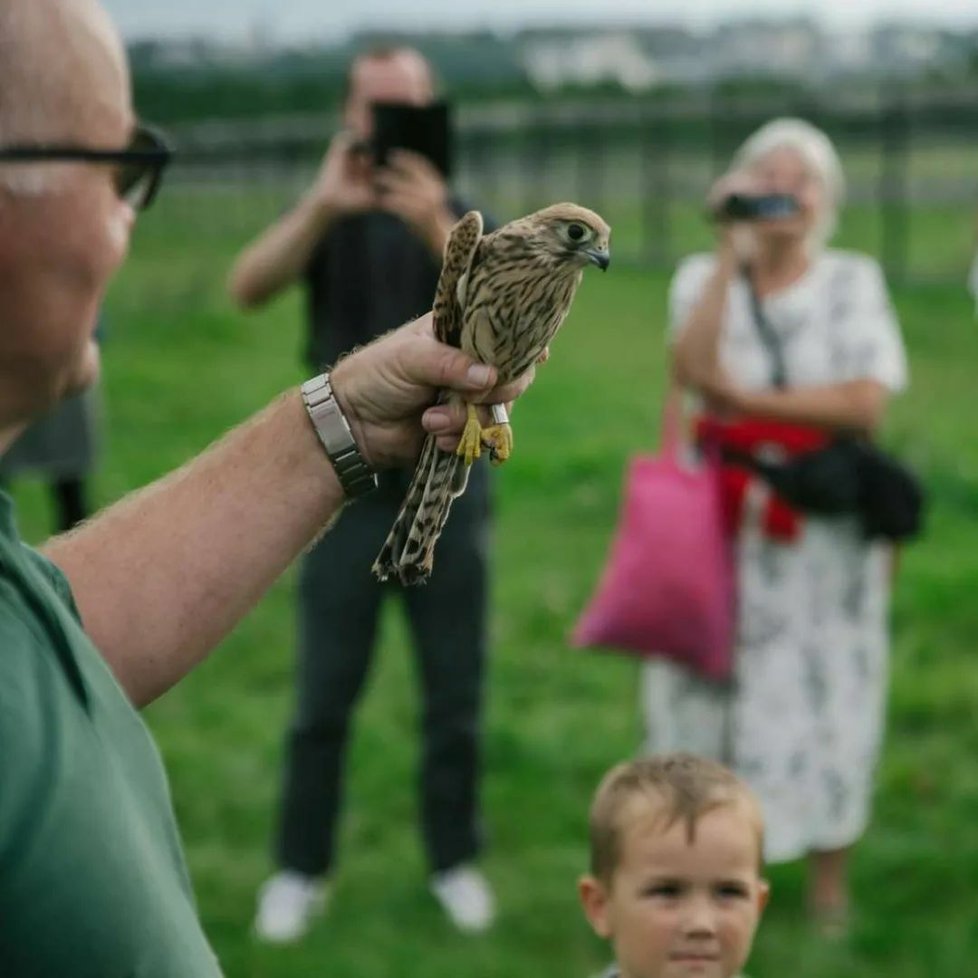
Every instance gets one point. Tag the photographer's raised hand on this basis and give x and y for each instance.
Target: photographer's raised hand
(410, 187)
(344, 184)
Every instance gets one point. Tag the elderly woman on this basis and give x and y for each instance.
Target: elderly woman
(802, 720)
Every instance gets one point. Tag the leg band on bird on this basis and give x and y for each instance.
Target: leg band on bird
(498, 437)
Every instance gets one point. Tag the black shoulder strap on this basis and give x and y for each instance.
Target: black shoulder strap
(765, 330)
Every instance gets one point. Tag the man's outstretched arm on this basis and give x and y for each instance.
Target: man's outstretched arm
(162, 576)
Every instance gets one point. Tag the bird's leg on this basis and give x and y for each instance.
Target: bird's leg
(470, 444)
(499, 435)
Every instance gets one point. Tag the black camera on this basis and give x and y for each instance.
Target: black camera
(756, 207)
(423, 129)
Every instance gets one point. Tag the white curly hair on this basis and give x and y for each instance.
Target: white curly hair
(817, 153)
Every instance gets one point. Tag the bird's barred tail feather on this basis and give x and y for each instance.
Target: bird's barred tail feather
(408, 552)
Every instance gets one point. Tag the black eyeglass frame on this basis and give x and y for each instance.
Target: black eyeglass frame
(148, 150)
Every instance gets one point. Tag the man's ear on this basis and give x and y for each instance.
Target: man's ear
(763, 895)
(594, 900)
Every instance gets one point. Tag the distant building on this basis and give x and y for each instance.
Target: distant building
(636, 59)
(849, 52)
(615, 57)
(786, 48)
(897, 49)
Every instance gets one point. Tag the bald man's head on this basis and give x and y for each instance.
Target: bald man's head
(64, 229)
(61, 66)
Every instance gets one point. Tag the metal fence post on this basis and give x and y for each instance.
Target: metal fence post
(478, 155)
(591, 164)
(718, 133)
(893, 187)
(656, 232)
(537, 139)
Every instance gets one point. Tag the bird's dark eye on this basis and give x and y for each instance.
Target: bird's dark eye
(575, 232)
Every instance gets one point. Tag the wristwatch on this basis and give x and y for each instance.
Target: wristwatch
(356, 477)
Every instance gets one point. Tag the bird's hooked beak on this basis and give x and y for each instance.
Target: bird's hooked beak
(600, 257)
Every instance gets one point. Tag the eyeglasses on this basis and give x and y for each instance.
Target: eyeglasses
(139, 167)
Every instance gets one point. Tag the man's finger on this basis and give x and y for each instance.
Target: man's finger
(443, 419)
(400, 204)
(438, 365)
(396, 204)
(407, 161)
(341, 142)
(448, 420)
(507, 393)
(393, 180)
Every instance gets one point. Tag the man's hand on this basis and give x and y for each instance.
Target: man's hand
(410, 187)
(344, 184)
(387, 391)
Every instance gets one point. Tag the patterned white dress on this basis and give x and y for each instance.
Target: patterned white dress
(803, 720)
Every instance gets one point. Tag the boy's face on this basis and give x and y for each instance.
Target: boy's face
(679, 910)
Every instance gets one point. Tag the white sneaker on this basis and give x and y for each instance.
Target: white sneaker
(465, 895)
(287, 903)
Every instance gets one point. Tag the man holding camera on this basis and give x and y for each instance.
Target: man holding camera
(366, 242)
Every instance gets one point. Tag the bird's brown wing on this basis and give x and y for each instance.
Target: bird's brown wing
(463, 241)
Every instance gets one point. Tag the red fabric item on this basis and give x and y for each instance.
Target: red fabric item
(779, 521)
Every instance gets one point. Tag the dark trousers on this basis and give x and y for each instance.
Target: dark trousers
(339, 605)
(70, 499)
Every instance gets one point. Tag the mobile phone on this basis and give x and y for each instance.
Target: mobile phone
(756, 207)
(423, 129)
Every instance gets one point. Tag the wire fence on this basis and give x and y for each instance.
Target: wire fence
(911, 164)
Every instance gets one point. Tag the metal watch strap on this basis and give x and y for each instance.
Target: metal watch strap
(355, 476)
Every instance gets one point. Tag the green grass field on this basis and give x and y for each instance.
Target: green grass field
(181, 367)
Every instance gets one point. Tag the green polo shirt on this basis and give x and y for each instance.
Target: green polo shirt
(92, 878)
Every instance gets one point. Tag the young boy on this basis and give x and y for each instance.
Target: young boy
(675, 881)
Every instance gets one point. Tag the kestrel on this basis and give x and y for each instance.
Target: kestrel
(500, 298)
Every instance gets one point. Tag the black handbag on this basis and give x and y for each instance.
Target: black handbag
(850, 475)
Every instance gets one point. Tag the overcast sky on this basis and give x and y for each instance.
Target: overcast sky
(287, 20)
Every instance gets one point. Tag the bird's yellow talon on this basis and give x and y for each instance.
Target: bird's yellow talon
(499, 440)
(470, 444)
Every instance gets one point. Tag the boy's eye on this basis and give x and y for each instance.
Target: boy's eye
(667, 890)
(732, 890)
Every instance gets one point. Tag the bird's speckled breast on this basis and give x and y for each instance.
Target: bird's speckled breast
(513, 308)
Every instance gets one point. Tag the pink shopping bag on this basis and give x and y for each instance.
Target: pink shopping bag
(667, 587)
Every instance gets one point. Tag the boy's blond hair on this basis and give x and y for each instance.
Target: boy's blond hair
(675, 786)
